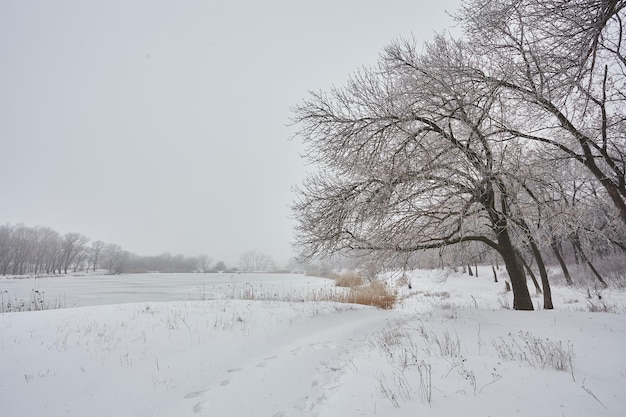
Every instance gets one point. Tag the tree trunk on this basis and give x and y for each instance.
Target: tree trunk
(576, 252)
(547, 291)
(595, 272)
(521, 295)
(530, 272)
(533, 278)
(559, 257)
(588, 262)
(495, 276)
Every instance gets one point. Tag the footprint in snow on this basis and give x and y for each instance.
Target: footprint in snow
(201, 406)
(266, 361)
(195, 394)
(296, 351)
(322, 345)
(230, 371)
(224, 383)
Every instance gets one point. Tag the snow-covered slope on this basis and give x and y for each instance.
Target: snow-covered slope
(448, 349)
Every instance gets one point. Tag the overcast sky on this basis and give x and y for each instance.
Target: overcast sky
(162, 125)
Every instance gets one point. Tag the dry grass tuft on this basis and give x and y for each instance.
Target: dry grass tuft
(600, 306)
(348, 280)
(536, 351)
(376, 294)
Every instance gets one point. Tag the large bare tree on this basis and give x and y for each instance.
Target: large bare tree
(409, 159)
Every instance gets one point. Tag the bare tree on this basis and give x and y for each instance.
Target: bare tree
(23, 246)
(73, 247)
(220, 266)
(204, 262)
(409, 160)
(253, 261)
(46, 249)
(28, 250)
(114, 258)
(5, 247)
(96, 250)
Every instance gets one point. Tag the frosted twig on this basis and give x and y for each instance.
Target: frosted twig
(593, 395)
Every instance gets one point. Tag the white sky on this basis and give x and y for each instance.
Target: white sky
(162, 125)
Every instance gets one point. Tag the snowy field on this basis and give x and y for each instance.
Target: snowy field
(450, 348)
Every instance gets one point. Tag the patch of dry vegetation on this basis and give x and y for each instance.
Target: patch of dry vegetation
(536, 351)
(375, 294)
(348, 280)
(350, 288)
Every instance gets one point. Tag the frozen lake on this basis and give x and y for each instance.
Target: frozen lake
(78, 291)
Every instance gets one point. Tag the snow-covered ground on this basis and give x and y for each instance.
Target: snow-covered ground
(449, 348)
(92, 290)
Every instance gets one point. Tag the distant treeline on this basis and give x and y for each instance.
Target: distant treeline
(41, 250)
